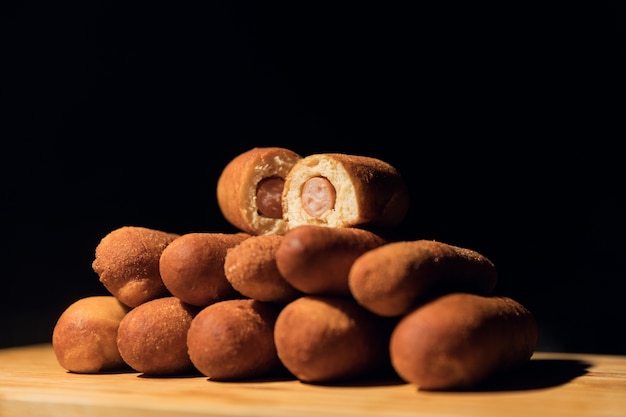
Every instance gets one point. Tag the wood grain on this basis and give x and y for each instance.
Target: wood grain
(553, 384)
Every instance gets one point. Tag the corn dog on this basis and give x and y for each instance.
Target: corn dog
(317, 259)
(152, 337)
(392, 279)
(234, 340)
(324, 339)
(250, 187)
(84, 337)
(192, 267)
(339, 190)
(458, 340)
(251, 269)
(127, 263)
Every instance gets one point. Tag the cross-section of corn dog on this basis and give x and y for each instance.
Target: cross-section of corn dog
(192, 267)
(249, 189)
(325, 339)
(392, 279)
(251, 269)
(340, 190)
(234, 340)
(152, 337)
(458, 340)
(317, 259)
(127, 263)
(84, 337)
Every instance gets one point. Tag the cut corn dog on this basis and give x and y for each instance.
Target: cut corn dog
(250, 187)
(340, 190)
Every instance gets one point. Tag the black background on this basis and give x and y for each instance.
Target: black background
(505, 120)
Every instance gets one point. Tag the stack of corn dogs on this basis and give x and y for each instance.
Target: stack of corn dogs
(314, 284)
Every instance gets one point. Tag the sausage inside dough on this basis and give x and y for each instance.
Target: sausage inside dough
(249, 189)
(340, 190)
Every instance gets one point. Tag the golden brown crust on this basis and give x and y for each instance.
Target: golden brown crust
(127, 263)
(152, 337)
(392, 279)
(237, 187)
(458, 340)
(368, 191)
(325, 339)
(233, 340)
(84, 336)
(251, 269)
(192, 267)
(317, 259)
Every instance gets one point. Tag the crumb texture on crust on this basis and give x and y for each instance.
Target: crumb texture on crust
(84, 336)
(322, 338)
(192, 267)
(152, 337)
(234, 340)
(127, 263)
(458, 340)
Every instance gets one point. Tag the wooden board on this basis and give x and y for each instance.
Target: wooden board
(553, 384)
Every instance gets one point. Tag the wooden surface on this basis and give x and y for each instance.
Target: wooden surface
(553, 384)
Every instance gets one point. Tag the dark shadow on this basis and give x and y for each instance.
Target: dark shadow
(272, 376)
(375, 379)
(535, 374)
(278, 376)
(190, 374)
(112, 371)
